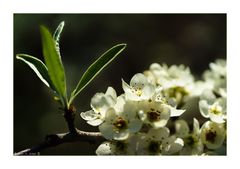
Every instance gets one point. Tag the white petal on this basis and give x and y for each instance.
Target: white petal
(208, 95)
(138, 80)
(160, 123)
(155, 66)
(158, 134)
(196, 128)
(104, 149)
(142, 115)
(89, 115)
(217, 118)
(96, 101)
(129, 92)
(176, 146)
(120, 103)
(107, 130)
(95, 122)
(148, 91)
(110, 115)
(135, 125)
(111, 92)
(165, 113)
(203, 106)
(223, 103)
(172, 145)
(122, 135)
(133, 96)
(176, 112)
(126, 87)
(179, 141)
(131, 109)
(100, 102)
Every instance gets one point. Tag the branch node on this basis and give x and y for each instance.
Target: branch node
(69, 115)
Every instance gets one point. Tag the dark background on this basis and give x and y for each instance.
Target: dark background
(190, 39)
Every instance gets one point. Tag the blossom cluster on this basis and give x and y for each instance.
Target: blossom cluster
(148, 118)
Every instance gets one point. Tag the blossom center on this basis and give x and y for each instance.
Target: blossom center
(120, 123)
(138, 91)
(153, 115)
(215, 110)
(190, 140)
(153, 147)
(211, 136)
(175, 91)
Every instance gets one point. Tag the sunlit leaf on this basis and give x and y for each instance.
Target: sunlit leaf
(96, 67)
(54, 64)
(38, 67)
(57, 35)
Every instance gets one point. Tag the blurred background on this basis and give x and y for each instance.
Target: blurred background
(191, 39)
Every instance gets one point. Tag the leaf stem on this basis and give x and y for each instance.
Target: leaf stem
(69, 115)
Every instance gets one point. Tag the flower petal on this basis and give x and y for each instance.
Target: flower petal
(122, 135)
(196, 128)
(111, 92)
(138, 81)
(160, 123)
(110, 115)
(148, 91)
(95, 122)
(217, 118)
(104, 149)
(120, 103)
(176, 112)
(89, 115)
(159, 134)
(107, 130)
(203, 106)
(129, 92)
(126, 87)
(135, 125)
(101, 102)
(208, 95)
(172, 145)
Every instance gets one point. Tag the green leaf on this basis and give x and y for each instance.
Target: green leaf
(96, 68)
(54, 64)
(38, 67)
(57, 35)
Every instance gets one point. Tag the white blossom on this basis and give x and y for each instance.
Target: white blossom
(159, 142)
(217, 75)
(212, 134)
(177, 81)
(119, 125)
(138, 121)
(123, 147)
(100, 103)
(213, 108)
(154, 113)
(139, 88)
(192, 142)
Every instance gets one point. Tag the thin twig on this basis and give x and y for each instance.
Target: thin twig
(56, 139)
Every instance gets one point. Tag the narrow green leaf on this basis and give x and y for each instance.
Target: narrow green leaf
(57, 35)
(96, 68)
(37, 66)
(54, 64)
